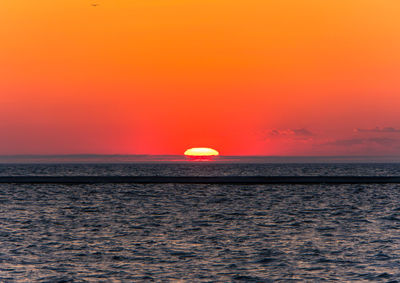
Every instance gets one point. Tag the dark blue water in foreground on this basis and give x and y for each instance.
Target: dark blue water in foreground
(199, 233)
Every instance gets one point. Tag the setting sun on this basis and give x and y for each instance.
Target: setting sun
(201, 152)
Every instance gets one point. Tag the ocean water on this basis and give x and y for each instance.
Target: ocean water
(199, 233)
(202, 169)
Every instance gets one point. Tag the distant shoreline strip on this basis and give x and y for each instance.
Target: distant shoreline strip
(201, 180)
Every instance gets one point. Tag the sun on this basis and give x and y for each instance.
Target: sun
(201, 153)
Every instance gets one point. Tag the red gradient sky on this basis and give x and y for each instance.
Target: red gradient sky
(246, 77)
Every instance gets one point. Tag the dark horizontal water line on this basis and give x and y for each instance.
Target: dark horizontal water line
(201, 179)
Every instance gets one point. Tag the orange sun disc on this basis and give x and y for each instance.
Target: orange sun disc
(201, 152)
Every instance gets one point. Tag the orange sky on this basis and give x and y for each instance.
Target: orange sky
(259, 77)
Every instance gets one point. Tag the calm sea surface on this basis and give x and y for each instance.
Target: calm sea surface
(199, 233)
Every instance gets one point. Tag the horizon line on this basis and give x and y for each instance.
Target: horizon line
(145, 154)
(152, 158)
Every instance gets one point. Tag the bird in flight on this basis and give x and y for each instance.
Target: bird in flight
(95, 4)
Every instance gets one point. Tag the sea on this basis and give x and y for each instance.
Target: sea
(199, 232)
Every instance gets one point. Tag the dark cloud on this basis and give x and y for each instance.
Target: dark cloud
(346, 142)
(358, 141)
(379, 130)
(384, 141)
(302, 132)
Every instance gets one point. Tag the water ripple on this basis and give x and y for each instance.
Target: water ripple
(201, 233)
